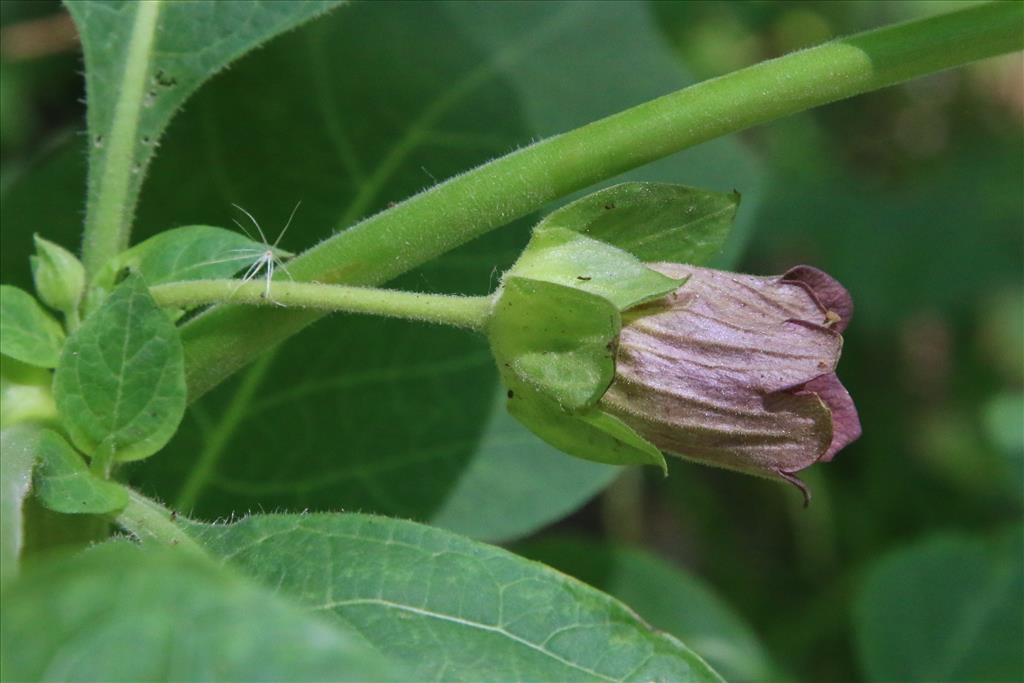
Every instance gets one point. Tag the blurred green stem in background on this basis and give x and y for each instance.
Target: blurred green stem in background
(431, 223)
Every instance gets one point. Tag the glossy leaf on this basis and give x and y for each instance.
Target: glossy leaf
(558, 340)
(121, 613)
(121, 381)
(450, 608)
(19, 457)
(654, 221)
(63, 483)
(142, 61)
(568, 258)
(667, 598)
(27, 332)
(950, 608)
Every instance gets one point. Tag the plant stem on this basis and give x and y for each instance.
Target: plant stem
(469, 312)
(109, 209)
(149, 521)
(469, 205)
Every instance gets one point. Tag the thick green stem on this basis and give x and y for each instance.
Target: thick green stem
(109, 210)
(467, 206)
(470, 312)
(149, 521)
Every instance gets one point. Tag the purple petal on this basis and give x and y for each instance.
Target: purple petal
(738, 371)
(845, 421)
(826, 291)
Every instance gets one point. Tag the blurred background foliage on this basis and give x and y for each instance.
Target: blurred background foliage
(907, 565)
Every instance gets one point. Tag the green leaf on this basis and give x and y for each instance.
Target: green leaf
(558, 340)
(568, 258)
(591, 433)
(450, 608)
(27, 332)
(121, 380)
(19, 457)
(58, 275)
(950, 608)
(193, 252)
(653, 221)
(667, 598)
(123, 613)
(142, 61)
(63, 483)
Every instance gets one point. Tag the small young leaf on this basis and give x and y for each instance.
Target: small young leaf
(653, 221)
(121, 380)
(123, 613)
(451, 608)
(27, 332)
(572, 259)
(556, 339)
(193, 252)
(58, 275)
(63, 483)
(16, 445)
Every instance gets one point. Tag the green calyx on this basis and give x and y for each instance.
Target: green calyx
(555, 325)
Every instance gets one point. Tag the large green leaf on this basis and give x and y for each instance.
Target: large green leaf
(367, 414)
(121, 381)
(451, 608)
(121, 613)
(948, 609)
(16, 463)
(27, 332)
(667, 598)
(142, 61)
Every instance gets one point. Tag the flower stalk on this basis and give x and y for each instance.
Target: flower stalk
(469, 312)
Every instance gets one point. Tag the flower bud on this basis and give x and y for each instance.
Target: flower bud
(738, 371)
(58, 275)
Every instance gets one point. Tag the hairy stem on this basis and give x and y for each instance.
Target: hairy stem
(149, 521)
(467, 206)
(469, 312)
(108, 213)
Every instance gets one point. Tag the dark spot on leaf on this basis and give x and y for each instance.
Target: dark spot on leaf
(609, 206)
(585, 278)
(511, 393)
(164, 79)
